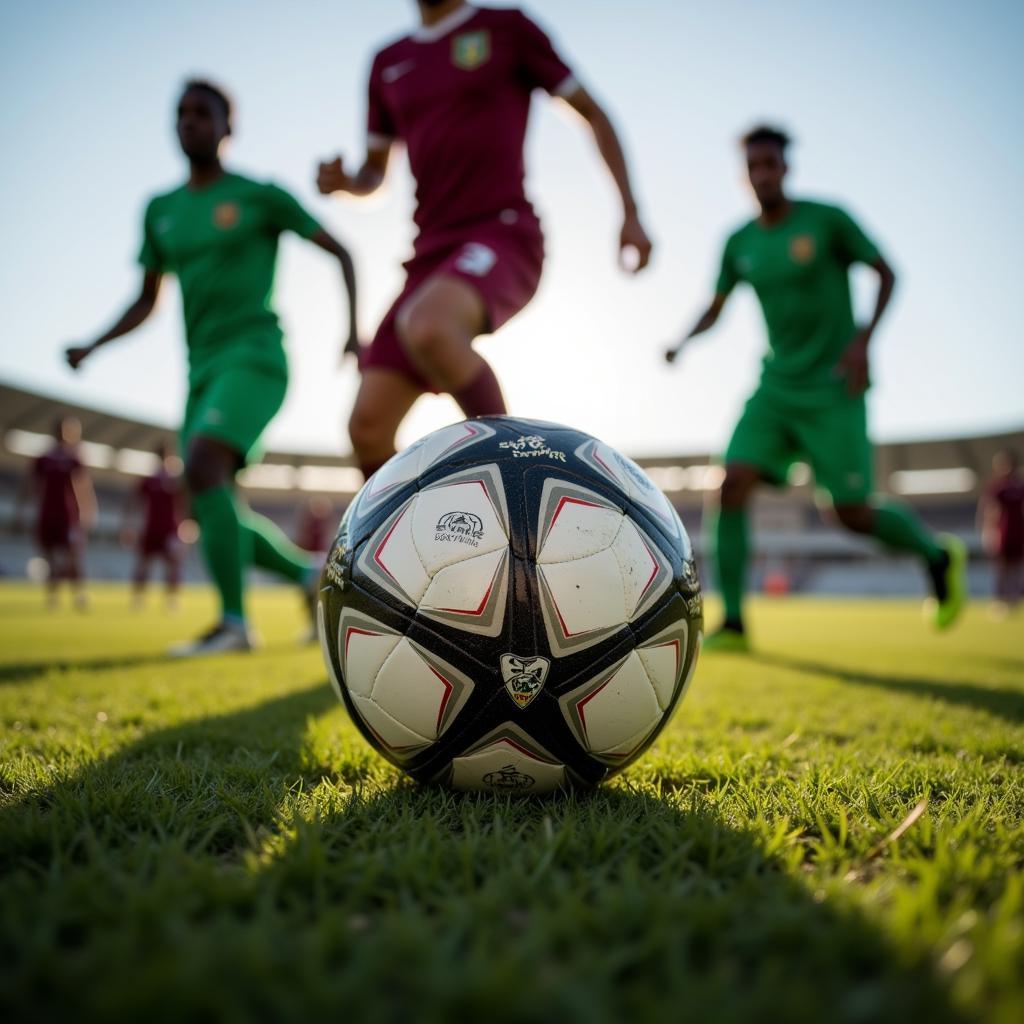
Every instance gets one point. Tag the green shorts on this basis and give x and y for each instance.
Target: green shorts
(234, 407)
(772, 434)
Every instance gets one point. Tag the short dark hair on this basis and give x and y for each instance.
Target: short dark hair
(766, 133)
(214, 90)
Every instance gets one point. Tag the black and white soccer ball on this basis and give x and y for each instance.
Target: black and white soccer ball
(510, 604)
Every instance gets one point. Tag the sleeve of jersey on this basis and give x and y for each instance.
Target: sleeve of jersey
(727, 276)
(149, 254)
(542, 66)
(380, 124)
(853, 245)
(287, 213)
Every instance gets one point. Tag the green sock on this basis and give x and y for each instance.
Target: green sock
(225, 546)
(731, 551)
(898, 528)
(273, 551)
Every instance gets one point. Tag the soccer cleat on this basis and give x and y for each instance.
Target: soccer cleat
(949, 581)
(728, 640)
(224, 638)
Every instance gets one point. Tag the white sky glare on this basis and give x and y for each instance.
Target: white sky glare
(905, 113)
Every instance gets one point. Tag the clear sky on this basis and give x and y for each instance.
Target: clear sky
(905, 112)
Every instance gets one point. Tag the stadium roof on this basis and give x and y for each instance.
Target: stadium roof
(118, 447)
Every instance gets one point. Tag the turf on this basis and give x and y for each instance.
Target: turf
(215, 842)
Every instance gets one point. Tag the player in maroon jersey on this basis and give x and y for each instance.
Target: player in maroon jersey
(316, 523)
(457, 93)
(159, 499)
(1001, 516)
(66, 507)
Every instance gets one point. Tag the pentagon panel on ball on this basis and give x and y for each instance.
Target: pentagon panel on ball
(510, 604)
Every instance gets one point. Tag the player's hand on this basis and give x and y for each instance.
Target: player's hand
(76, 355)
(331, 177)
(853, 364)
(634, 239)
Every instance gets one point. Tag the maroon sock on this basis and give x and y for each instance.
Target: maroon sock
(482, 395)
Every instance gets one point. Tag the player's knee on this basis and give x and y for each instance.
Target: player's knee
(424, 330)
(369, 435)
(203, 473)
(856, 518)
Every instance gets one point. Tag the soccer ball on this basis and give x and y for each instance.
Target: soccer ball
(510, 604)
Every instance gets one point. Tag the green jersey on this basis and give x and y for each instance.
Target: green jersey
(799, 270)
(221, 241)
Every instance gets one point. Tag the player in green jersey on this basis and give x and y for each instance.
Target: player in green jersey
(810, 403)
(219, 234)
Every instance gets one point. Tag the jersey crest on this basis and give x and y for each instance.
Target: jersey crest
(471, 49)
(226, 215)
(801, 248)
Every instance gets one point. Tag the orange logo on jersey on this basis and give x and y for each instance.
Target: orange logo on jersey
(226, 215)
(471, 49)
(801, 249)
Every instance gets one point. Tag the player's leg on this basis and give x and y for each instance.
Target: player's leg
(760, 450)
(836, 441)
(437, 326)
(172, 570)
(75, 554)
(141, 575)
(53, 573)
(384, 398)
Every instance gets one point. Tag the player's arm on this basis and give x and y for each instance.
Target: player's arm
(133, 316)
(85, 496)
(633, 235)
(332, 176)
(854, 364)
(706, 321)
(330, 244)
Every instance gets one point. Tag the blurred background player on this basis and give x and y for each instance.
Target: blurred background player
(316, 525)
(65, 509)
(157, 505)
(1001, 517)
(810, 403)
(457, 93)
(219, 233)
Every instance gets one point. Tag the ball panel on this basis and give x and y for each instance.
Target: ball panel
(587, 594)
(506, 758)
(471, 595)
(578, 528)
(364, 650)
(396, 737)
(390, 558)
(638, 566)
(411, 691)
(322, 634)
(663, 658)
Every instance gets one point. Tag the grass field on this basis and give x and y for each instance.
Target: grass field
(214, 841)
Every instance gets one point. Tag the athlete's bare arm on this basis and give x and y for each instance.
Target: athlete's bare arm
(632, 235)
(332, 176)
(854, 365)
(330, 244)
(707, 320)
(133, 316)
(85, 496)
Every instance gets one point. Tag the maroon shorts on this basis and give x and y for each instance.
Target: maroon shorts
(500, 259)
(163, 544)
(57, 532)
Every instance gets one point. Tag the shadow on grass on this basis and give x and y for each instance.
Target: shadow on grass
(162, 884)
(1004, 701)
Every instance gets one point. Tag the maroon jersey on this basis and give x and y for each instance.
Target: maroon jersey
(1007, 493)
(160, 495)
(54, 473)
(457, 93)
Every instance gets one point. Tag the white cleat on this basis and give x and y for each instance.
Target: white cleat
(224, 638)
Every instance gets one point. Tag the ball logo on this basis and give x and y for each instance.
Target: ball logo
(226, 215)
(801, 249)
(524, 677)
(508, 777)
(459, 528)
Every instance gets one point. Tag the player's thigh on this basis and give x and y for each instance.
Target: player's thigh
(763, 439)
(835, 442)
(234, 410)
(444, 309)
(383, 400)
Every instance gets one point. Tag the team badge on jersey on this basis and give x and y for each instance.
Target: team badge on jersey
(471, 49)
(801, 249)
(524, 677)
(226, 215)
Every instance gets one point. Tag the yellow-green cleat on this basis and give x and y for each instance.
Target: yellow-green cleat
(950, 583)
(729, 641)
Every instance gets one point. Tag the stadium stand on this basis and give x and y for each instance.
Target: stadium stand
(796, 550)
